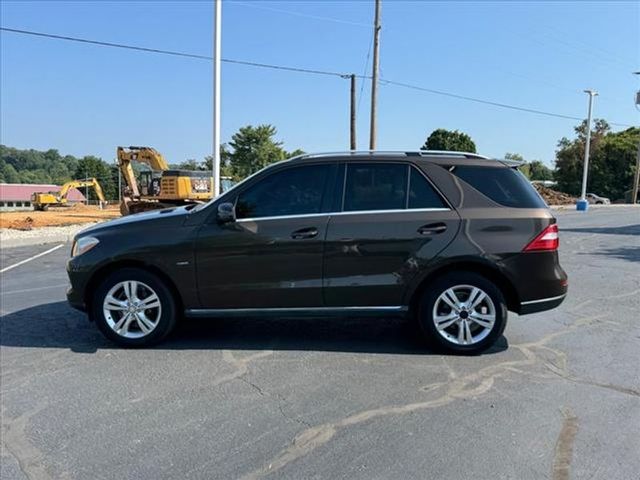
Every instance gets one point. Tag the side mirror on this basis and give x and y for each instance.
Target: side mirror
(226, 213)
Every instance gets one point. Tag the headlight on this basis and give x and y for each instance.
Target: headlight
(82, 245)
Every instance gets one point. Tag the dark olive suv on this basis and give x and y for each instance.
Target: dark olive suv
(453, 239)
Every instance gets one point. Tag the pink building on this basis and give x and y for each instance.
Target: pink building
(17, 196)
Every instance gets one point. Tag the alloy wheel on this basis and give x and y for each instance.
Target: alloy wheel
(132, 309)
(464, 314)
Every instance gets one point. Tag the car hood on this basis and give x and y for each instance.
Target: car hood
(169, 216)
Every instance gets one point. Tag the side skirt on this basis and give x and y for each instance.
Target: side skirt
(297, 312)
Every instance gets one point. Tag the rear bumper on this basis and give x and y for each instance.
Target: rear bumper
(541, 304)
(538, 279)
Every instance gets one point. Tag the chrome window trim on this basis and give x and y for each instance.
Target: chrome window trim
(335, 214)
(543, 300)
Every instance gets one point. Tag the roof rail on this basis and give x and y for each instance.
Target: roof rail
(406, 153)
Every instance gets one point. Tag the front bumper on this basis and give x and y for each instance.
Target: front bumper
(78, 277)
(75, 300)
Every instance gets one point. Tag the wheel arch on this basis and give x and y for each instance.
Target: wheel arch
(109, 268)
(488, 271)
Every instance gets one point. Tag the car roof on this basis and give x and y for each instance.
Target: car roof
(447, 158)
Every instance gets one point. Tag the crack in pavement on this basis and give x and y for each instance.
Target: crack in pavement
(279, 399)
(471, 385)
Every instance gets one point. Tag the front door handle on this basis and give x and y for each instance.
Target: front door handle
(432, 229)
(303, 233)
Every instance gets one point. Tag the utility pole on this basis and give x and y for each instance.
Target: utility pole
(353, 112)
(374, 78)
(582, 204)
(217, 38)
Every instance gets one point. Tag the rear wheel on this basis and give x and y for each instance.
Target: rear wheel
(463, 312)
(134, 308)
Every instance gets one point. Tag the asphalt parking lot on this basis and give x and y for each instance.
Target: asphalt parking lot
(558, 397)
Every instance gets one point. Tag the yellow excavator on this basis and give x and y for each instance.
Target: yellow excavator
(43, 200)
(160, 187)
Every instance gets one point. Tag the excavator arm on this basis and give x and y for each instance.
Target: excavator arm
(147, 155)
(42, 200)
(64, 191)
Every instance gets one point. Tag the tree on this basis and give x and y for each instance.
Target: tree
(253, 149)
(8, 173)
(533, 170)
(93, 167)
(611, 162)
(250, 149)
(455, 141)
(539, 171)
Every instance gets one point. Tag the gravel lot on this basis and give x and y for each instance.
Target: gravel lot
(559, 397)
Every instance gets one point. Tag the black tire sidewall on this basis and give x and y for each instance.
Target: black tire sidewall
(435, 289)
(168, 306)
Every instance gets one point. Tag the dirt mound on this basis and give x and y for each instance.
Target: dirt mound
(553, 197)
(26, 223)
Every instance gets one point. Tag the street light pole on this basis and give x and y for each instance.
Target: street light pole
(217, 20)
(352, 121)
(582, 204)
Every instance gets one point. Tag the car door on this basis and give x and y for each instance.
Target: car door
(392, 222)
(271, 255)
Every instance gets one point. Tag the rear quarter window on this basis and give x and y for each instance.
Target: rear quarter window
(504, 185)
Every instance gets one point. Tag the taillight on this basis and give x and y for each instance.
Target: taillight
(547, 240)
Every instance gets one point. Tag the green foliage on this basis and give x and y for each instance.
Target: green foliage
(611, 163)
(539, 171)
(454, 141)
(534, 170)
(251, 149)
(93, 167)
(33, 166)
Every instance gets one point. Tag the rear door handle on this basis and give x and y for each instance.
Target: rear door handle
(303, 233)
(432, 229)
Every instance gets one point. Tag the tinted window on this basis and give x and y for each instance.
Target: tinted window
(421, 193)
(375, 187)
(295, 191)
(506, 186)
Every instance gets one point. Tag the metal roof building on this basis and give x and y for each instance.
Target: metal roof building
(17, 196)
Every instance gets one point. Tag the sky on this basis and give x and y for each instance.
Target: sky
(85, 100)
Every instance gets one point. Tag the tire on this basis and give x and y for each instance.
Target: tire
(130, 290)
(491, 311)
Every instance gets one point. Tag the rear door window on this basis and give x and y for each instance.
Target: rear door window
(421, 193)
(504, 185)
(375, 186)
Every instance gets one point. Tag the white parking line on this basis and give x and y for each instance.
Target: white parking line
(25, 290)
(10, 267)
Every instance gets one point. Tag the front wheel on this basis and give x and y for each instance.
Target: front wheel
(134, 308)
(462, 312)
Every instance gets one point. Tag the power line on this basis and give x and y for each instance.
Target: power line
(300, 14)
(489, 102)
(171, 52)
(300, 70)
(364, 73)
